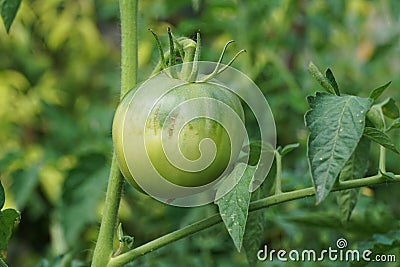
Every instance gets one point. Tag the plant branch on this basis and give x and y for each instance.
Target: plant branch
(254, 206)
(104, 246)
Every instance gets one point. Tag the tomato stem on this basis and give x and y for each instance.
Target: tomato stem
(254, 206)
(129, 63)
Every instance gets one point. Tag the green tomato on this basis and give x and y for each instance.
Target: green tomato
(165, 113)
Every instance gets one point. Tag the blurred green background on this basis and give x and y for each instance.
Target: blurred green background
(59, 86)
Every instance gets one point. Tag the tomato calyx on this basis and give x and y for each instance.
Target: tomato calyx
(186, 50)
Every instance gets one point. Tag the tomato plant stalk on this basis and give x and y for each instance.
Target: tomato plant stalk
(129, 62)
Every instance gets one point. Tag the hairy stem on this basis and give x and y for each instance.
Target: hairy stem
(382, 159)
(278, 177)
(254, 206)
(104, 246)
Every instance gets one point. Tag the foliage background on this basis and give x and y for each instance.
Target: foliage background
(59, 84)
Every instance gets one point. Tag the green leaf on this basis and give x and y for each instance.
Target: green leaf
(388, 175)
(395, 125)
(375, 116)
(24, 184)
(331, 79)
(390, 109)
(379, 244)
(2, 196)
(381, 138)
(254, 231)
(336, 125)
(8, 218)
(82, 189)
(234, 206)
(321, 79)
(378, 91)
(288, 148)
(355, 167)
(8, 10)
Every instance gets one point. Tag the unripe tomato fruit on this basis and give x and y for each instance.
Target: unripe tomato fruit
(190, 136)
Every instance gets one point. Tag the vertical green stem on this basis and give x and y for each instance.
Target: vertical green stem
(382, 159)
(104, 246)
(278, 178)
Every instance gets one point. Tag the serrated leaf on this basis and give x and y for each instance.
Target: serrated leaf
(380, 137)
(254, 231)
(395, 125)
(82, 189)
(331, 79)
(378, 91)
(234, 206)
(2, 196)
(390, 109)
(289, 148)
(8, 218)
(8, 10)
(321, 79)
(355, 167)
(336, 125)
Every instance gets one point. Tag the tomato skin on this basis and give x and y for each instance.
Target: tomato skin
(190, 135)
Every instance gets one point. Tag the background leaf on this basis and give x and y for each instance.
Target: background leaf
(390, 109)
(234, 206)
(8, 217)
(85, 182)
(355, 167)
(336, 125)
(8, 10)
(381, 138)
(2, 196)
(254, 231)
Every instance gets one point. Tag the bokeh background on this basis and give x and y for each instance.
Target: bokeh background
(59, 86)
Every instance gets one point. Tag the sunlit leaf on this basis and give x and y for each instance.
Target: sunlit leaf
(8, 218)
(8, 10)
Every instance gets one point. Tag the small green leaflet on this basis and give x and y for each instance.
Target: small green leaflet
(336, 125)
(390, 109)
(288, 148)
(378, 91)
(234, 206)
(321, 79)
(355, 167)
(395, 125)
(331, 79)
(381, 138)
(8, 10)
